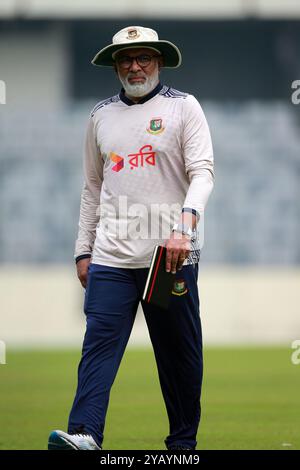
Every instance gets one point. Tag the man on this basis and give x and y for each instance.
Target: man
(148, 156)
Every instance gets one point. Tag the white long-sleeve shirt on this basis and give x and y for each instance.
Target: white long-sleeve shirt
(143, 164)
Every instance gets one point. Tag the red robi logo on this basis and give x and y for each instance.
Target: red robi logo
(118, 160)
(145, 156)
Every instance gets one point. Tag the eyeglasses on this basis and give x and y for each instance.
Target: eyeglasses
(142, 60)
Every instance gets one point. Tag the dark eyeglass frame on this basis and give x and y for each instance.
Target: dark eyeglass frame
(121, 60)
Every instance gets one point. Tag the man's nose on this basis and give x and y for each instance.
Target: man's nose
(134, 66)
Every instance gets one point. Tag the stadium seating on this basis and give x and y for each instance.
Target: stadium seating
(253, 215)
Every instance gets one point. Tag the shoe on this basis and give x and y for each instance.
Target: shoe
(60, 440)
(178, 447)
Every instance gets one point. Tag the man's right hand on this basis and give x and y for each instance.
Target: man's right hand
(82, 270)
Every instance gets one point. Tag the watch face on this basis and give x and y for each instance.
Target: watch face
(186, 230)
(183, 229)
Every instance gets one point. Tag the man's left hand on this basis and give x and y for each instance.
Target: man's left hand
(178, 248)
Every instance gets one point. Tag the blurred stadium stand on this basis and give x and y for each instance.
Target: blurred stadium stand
(252, 217)
(240, 58)
(154, 8)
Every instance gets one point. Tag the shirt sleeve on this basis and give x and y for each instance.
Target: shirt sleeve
(90, 195)
(198, 156)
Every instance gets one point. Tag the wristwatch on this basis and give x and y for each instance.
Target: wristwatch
(184, 229)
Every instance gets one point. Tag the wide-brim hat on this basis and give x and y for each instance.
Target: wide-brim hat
(138, 36)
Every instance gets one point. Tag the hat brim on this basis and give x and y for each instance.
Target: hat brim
(171, 54)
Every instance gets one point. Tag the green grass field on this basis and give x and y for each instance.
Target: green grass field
(250, 400)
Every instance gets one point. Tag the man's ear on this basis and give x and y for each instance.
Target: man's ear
(160, 62)
(116, 69)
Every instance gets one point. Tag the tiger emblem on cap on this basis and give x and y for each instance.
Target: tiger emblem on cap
(132, 34)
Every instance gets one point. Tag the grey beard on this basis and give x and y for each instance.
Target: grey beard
(140, 89)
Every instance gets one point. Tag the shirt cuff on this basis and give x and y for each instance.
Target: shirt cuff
(193, 211)
(78, 258)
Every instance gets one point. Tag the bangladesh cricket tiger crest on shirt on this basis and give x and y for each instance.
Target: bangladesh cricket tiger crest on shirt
(179, 287)
(155, 126)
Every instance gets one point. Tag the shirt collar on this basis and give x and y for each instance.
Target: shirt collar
(145, 98)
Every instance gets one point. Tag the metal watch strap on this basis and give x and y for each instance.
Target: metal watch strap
(184, 229)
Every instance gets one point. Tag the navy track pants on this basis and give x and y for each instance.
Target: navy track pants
(111, 301)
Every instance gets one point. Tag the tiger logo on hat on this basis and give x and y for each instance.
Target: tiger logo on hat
(132, 34)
